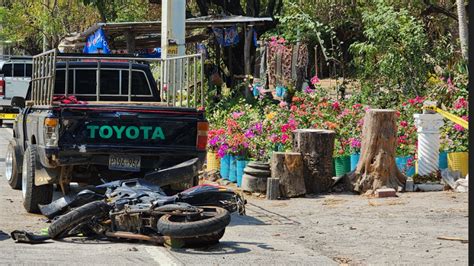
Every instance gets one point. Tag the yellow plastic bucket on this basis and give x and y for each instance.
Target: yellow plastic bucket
(213, 162)
(459, 161)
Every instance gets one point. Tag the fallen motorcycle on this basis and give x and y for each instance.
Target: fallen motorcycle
(138, 209)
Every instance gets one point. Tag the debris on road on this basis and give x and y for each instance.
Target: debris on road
(385, 193)
(464, 241)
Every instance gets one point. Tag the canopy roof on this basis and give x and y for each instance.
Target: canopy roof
(147, 34)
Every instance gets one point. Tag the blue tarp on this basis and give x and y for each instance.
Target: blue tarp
(97, 43)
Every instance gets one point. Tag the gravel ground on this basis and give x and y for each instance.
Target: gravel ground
(321, 230)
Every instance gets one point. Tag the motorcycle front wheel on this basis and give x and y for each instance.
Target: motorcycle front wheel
(61, 226)
(211, 220)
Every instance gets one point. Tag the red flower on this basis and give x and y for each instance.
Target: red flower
(404, 123)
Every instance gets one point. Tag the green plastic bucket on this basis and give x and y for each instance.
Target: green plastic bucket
(342, 165)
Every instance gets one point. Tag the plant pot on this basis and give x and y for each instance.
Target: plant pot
(443, 160)
(342, 165)
(233, 169)
(255, 91)
(213, 162)
(225, 165)
(241, 164)
(401, 162)
(354, 160)
(459, 161)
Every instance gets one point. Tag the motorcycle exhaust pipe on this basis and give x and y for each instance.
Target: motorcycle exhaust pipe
(159, 240)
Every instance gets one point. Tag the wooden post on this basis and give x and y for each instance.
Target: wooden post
(273, 188)
(130, 38)
(376, 167)
(317, 147)
(288, 168)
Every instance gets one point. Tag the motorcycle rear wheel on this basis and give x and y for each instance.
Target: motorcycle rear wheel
(212, 220)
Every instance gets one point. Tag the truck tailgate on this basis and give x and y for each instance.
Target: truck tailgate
(106, 128)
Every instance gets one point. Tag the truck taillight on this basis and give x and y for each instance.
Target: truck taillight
(2, 87)
(51, 131)
(202, 128)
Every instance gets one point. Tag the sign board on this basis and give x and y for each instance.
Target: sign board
(172, 49)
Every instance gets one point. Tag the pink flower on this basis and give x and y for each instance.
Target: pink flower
(357, 106)
(274, 138)
(284, 138)
(403, 123)
(314, 80)
(249, 134)
(460, 103)
(308, 90)
(465, 117)
(283, 104)
(236, 115)
(355, 143)
(335, 105)
(293, 108)
(402, 139)
(458, 127)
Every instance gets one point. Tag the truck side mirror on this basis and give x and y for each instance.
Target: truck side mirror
(18, 101)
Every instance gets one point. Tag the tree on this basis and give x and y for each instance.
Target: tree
(463, 33)
(393, 54)
(25, 22)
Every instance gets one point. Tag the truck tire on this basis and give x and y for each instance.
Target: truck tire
(12, 168)
(32, 194)
(60, 227)
(175, 226)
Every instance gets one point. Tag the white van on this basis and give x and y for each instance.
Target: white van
(15, 76)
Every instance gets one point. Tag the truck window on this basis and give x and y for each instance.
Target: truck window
(109, 82)
(140, 84)
(7, 70)
(20, 70)
(61, 81)
(82, 82)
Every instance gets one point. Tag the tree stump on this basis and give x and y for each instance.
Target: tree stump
(288, 167)
(376, 167)
(273, 188)
(316, 146)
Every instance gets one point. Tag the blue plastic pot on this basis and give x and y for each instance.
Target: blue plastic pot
(402, 165)
(225, 165)
(443, 160)
(241, 164)
(280, 91)
(233, 169)
(255, 91)
(354, 160)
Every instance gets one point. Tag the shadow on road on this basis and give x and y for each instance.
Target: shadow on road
(3, 235)
(257, 215)
(224, 247)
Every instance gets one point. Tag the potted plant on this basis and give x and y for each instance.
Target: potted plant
(342, 159)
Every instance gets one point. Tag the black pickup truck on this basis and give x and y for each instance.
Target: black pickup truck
(88, 127)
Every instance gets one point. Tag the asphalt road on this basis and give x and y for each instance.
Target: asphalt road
(315, 230)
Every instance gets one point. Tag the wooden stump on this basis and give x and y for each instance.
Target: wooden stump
(317, 147)
(273, 188)
(376, 167)
(288, 167)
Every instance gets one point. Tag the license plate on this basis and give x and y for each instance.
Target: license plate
(8, 116)
(124, 162)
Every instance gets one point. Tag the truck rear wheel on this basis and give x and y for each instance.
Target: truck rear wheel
(12, 169)
(32, 194)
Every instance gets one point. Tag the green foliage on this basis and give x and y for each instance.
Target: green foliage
(25, 23)
(394, 53)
